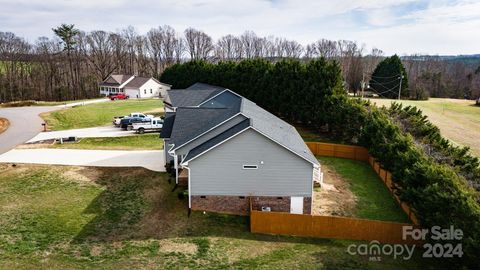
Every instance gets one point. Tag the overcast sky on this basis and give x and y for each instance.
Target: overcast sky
(395, 26)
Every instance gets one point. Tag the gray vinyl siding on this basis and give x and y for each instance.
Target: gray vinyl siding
(220, 170)
(189, 146)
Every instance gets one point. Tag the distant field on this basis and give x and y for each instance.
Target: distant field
(98, 114)
(458, 120)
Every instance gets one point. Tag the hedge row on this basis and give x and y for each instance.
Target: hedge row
(442, 150)
(311, 93)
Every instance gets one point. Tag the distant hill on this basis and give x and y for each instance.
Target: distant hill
(467, 59)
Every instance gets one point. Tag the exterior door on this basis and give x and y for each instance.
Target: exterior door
(296, 205)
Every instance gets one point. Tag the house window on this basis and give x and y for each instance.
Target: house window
(203, 197)
(241, 197)
(144, 91)
(151, 91)
(250, 167)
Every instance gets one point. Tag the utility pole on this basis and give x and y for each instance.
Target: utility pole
(363, 84)
(400, 88)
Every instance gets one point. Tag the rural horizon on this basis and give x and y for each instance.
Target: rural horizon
(260, 134)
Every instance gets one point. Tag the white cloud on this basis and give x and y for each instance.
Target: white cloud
(437, 27)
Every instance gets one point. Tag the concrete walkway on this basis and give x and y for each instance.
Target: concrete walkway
(94, 132)
(86, 102)
(152, 160)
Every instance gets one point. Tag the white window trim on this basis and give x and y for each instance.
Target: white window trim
(250, 167)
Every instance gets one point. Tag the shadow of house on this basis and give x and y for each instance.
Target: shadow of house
(138, 204)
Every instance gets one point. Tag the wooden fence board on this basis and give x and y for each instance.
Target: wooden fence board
(328, 227)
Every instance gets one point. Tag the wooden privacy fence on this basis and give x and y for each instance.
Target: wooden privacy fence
(328, 227)
(361, 153)
(338, 227)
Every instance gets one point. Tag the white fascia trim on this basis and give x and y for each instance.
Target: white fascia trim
(240, 132)
(127, 81)
(170, 151)
(200, 135)
(283, 146)
(226, 89)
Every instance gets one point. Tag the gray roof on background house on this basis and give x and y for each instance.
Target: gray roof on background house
(117, 79)
(196, 120)
(137, 82)
(167, 125)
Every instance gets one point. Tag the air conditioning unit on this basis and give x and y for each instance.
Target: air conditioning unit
(266, 209)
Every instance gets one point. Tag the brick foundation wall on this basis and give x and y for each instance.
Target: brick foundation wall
(241, 205)
(222, 204)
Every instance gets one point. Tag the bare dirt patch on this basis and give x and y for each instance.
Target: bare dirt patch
(170, 245)
(4, 124)
(82, 174)
(334, 198)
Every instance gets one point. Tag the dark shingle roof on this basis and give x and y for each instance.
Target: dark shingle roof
(193, 121)
(189, 97)
(217, 139)
(137, 82)
(204, 86)
(226, 99)
(167, 125)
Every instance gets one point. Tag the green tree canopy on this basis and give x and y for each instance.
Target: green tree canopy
(385, 80)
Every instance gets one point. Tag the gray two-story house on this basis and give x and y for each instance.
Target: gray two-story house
(229, 151)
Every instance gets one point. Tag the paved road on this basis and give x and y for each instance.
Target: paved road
(152, 160)
(24, 125)
(95, 132)
(25, 122)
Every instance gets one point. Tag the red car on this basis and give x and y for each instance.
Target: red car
(118, 96)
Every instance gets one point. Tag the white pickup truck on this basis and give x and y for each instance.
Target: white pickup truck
(117, 119)
(155, 124)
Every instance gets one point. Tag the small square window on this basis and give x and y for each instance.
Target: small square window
(250, 167)
(241, 197)
(279, 198)
(203, 197)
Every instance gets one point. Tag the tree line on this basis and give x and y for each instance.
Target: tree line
(70, 64)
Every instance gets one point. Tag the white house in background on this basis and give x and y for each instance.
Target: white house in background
(134, 86)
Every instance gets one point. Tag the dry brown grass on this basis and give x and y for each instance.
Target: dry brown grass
(457, 119)
(4, 124)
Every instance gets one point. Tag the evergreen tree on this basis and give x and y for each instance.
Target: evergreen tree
(386, 78)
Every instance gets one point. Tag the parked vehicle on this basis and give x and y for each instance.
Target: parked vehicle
(155, 124)
(119, 96)
(126, 123)
(117, 119)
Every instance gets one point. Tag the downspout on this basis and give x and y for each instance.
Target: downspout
(189, 190)
(175, 163)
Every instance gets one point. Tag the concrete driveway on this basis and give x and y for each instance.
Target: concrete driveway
(152, 160)
(24, 124)
(83, 133)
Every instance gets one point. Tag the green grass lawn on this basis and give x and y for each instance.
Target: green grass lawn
(374, 200)
(98, 114)
(55, 217)
(458, 119)
(149, 141)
